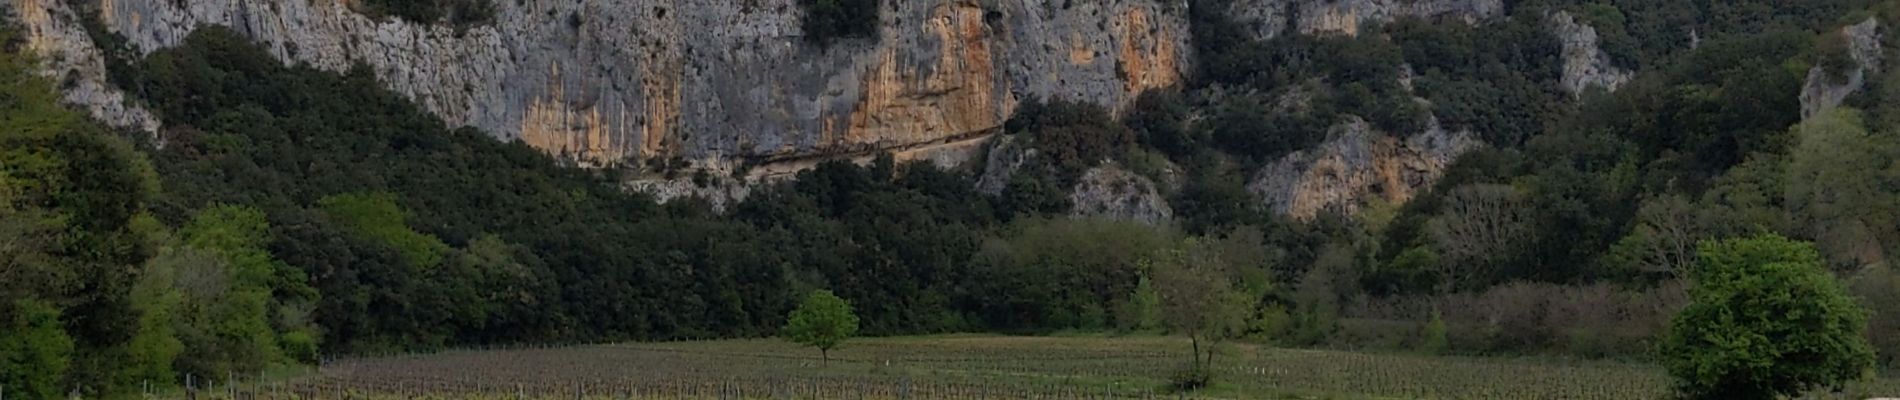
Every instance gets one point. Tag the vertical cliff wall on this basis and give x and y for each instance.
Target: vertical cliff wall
(607, 81)
(721, 83)
(1271, 18)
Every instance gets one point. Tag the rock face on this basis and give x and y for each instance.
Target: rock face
(1004, 158)
(1270, 18)
(720, 84)
(1357, 164)
(67, 55)
(1585, 64)
(1109, 191)
(1824, 91)
(715, 82)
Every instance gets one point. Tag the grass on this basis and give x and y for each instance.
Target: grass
(970, 366)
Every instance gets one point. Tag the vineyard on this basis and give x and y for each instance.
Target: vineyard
(954, 367)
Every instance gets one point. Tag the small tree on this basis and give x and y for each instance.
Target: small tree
(1766, 321)
(822, 321)
(1198, 300)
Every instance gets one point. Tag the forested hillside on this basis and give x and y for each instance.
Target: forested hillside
(285, 213)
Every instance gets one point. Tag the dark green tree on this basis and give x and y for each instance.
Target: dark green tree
(828, 20)
(34, 352)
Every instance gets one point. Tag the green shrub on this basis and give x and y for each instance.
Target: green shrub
(37, 351)
(1767, 320)
(1190, 377)
(300, 346)
(377, 216)
(1432, 339)
(827, 20)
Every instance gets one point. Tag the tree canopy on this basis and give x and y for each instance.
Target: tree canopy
(824, 321)
(1766, 320)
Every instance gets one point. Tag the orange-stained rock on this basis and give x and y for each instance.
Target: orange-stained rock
(903, 104)
(1148, 57)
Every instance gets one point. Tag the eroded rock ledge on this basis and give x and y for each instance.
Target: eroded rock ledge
(716, 82)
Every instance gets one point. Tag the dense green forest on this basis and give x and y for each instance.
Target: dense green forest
(286, 213)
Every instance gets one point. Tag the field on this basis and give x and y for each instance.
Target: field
(960, 367)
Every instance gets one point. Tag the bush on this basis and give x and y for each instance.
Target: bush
(1599, 320)
(1767, 321)
(37, 350)
(827, 20)
(1072, 135)
(1159, 119)
(1191, 377)
(1432, 338)
(1878, 288)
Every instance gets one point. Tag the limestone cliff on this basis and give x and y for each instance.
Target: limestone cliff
(1270, 18)
(1355, 165)
(1108, 191)
(719, 84)
(1824, 90)
(1585, 64)
(712, 82)
(67, 55)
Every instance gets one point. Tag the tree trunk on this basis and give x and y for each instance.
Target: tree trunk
(825, 356)
(1210, 355)
(1197, 349)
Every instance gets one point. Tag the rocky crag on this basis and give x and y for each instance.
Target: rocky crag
(715, 83)
(1271, 18)
(1585, 65)
(1825, 90)
(1356, 166)
(734, 85)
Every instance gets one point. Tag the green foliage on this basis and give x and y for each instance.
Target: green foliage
(823, 320)
(1047, 274)
(1766, 321)
(1034, 191)
(1142, 310)
(1432, 339)
(1214, 200)
(1317, 298)
(378, 217)
(1498, 80)
(1878, 289)
(1159, 119)
(1841, 187)
(1191, 377)
(287, 182)
(300, 346)
(1195, 282)
(69, 192)
(1656, 28)
(829, 20)
(1071, 135)
(1246, 125)
(34, 351)
(156, 347)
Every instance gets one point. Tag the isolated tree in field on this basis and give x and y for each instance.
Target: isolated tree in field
(1198, 298)
(822, 321)
(1765, 321)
